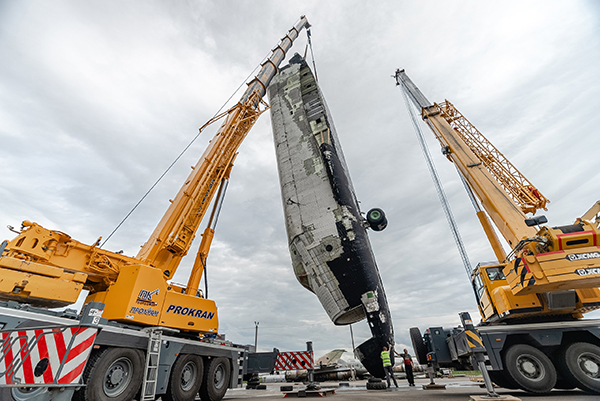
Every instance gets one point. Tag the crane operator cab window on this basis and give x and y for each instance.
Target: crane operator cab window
(478, 286)
(495, 273)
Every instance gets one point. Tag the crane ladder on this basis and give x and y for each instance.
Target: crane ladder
(151, 369)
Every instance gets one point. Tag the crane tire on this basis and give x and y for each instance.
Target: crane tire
(418, 345)
(530, 368)
(217, 373)
(123, 365)
(579, 363)
(186, 378)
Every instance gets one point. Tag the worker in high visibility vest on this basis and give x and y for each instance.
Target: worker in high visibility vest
(387, 366)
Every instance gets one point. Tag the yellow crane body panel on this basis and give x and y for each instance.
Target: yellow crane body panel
(554, 271)
(505, 301)
(141, 296)
(135, 297)
(187, 312)
(53, 291)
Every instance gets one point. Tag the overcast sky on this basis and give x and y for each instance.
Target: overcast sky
(98, 98)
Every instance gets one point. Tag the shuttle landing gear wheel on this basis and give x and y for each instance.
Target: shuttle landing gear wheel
(581, 366)
(216, 380)
(376, 219)
(113, 374)
(530, 368)
(186, 378)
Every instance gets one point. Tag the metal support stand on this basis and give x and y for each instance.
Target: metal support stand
(477, 349)
(431, 369)
(312, 389)
(311, 386)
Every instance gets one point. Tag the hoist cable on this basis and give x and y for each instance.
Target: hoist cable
(179, 157)
(312, 55)
(438, 186)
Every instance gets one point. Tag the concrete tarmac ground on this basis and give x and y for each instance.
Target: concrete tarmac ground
(457, 388)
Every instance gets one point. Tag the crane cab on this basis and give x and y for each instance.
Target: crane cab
(494, 298)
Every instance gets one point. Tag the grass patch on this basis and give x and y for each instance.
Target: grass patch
(467, 372)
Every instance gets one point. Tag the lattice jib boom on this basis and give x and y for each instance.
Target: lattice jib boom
(517, 187)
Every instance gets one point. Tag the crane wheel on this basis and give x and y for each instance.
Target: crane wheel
(186, 378)
(580, 365)
(530, 368)
(418, 345)
(217, 373)
(112, 374)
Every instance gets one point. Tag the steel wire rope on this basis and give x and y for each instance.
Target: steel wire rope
(312, 55)
(181, 154)
(438, 186)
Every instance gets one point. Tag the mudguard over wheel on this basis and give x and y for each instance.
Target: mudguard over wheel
(530, 368)
(500, 379)
(580, 365)
(563, 384)
(217, 373)
(112, 374)
(23, 393)
(186, 378)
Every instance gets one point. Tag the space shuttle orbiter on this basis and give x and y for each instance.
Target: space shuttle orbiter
(330, 249)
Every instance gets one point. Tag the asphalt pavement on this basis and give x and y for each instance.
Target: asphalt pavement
(457, 388)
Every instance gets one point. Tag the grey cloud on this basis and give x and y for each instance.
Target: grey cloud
(97, 99)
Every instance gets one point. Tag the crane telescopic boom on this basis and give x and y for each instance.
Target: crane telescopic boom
(550, 270)
(505, 193)
(48, 268)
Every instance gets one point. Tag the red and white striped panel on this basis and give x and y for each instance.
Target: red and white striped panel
(45, 356)
(294, 360)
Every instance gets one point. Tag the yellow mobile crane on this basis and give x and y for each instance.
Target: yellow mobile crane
(532, 299)
(550, 271)
(47, 268)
